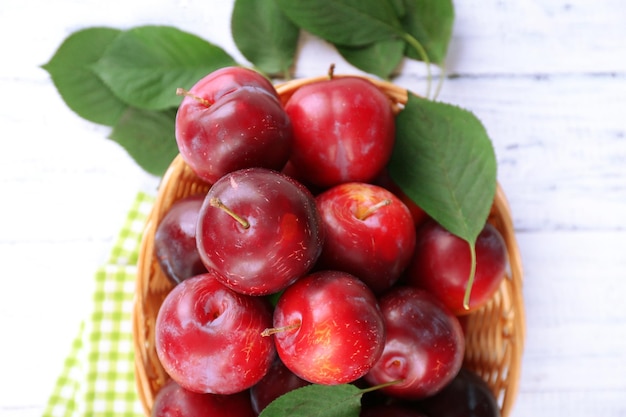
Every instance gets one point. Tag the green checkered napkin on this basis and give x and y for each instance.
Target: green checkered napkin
(98, 374)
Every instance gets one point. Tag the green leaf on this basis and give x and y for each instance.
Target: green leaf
(430, 22)
(444, 160)
(145, 65)
(80, 88)
(345, 22)
(317, 401)
(398, 6)
(265, 36)
(380, 58)
(148, 137)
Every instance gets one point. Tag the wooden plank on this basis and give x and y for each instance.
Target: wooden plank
(572, 403)
(538, 37)
(575, 353)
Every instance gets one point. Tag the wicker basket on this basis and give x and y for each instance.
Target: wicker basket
(494, 335)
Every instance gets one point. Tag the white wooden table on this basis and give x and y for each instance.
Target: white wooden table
(547, 78)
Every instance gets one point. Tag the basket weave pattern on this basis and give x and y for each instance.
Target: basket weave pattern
(494, 334)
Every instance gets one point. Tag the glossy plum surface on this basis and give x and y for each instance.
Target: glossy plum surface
(344, 130)
(369, 233)
(175, 240)
(225, 80)
(442, 265)
(424, 346)
(208, 337)
(283, 238)
(172, 400)
(334, 330)
(245, 128)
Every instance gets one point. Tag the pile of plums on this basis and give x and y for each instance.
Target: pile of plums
(305, 264)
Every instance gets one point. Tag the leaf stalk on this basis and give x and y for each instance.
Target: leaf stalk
(472, 275)
(421, 51)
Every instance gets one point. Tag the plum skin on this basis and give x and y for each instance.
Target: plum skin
(335, 328)
(208, 337)
(424, 346)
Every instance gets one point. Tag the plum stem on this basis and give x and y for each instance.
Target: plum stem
(271, 330)
(372, 209)
(183, 92)
(331, 71)
(419, 48)
(216, 202)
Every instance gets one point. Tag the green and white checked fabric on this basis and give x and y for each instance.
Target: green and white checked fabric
(98, 374)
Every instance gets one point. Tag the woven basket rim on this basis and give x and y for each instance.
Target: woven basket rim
(506, 312)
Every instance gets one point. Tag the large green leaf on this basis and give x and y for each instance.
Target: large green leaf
(430, 22)
(265, 36)
(145, 65)
(317, 401)
(80, 88)
(148, 137)
(380, 58)
(444, 160)
(345, 22)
